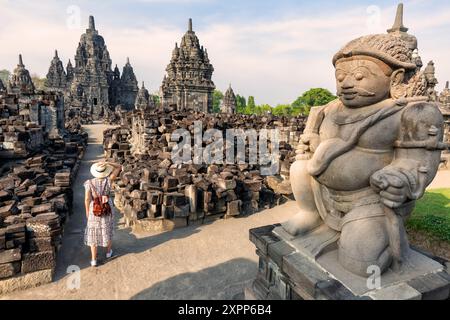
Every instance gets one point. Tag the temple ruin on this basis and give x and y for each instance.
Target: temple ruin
(20, 81)
(229, 102)
(92, 85)
(188, 84)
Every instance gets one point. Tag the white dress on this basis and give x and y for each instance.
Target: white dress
(99, 230)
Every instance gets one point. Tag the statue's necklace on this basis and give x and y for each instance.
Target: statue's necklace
(343, 115)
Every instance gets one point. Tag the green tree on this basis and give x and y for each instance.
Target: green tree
(241, 104)
(263, 109)
(4, 76)
(311, 98)
(251, 106)
(282, 110)
(39, 83)
(217, 99)
(155, 98)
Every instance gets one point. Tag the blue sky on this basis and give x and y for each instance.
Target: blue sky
(273, 50)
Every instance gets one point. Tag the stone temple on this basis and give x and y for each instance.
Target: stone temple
(444, 97)
(144, 101)
(20, 82)
(56, 76)
(188, 84)
(2, 86)
(229, 102)
(92, 83)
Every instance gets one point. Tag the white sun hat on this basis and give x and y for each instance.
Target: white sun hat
(101, 170)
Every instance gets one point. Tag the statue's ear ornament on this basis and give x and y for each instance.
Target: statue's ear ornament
(399, 91)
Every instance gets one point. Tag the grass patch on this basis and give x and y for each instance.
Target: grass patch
(432, 214)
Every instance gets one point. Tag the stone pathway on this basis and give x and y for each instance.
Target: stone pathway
(212, 261)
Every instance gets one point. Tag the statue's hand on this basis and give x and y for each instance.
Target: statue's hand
(392, 187)
(310, 142)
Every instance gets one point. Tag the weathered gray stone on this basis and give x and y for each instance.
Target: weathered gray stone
(188, 83)
(20, 82)
(432, 286)
(37, 261)
(27, 281)
(234, 208)
(353, 191)
(10, 256)
(229, 103)
(353, 202)
(400, 291)
(56, 76)
(92, 84)
(9, 269)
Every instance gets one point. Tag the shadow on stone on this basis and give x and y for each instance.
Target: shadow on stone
(224, 281)
(124, 242)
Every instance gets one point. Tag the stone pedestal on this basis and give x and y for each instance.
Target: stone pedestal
(288, 272)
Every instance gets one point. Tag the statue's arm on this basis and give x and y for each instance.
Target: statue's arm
(310, 138)
(417, 156)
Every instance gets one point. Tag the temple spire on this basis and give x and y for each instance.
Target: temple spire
(56, 54)
(190, 25)
(20, 60)
(447, 85)
(91, 23)
(128, 60)
(398, 24)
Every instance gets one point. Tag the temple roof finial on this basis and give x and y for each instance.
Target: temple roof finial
(190, 24)
(91, 23)
(56, 53)
(398, 23)
(20, 60)
(143, 85)
(447, 85)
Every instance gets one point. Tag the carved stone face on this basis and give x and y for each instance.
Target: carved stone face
(362, 82)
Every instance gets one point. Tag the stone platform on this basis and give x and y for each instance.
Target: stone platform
(26, 281)
(288, 273)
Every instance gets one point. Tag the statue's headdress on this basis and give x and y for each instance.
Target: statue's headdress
(396, 48)
(388, 48)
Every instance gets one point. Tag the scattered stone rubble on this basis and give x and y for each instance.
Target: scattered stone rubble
(35, 200)
(155, 194)
(39, 157)
(26, 119)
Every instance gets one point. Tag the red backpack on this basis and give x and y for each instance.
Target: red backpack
(101, 205)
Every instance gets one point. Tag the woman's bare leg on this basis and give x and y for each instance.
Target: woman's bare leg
(109, 246)
(94, 253)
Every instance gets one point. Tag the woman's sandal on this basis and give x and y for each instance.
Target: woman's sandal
(110, 254)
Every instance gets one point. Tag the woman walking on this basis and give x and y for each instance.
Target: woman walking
(99, 214)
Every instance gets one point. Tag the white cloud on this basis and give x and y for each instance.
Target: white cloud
(273, 60)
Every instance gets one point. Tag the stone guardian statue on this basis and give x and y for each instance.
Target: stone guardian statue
(368, 156)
